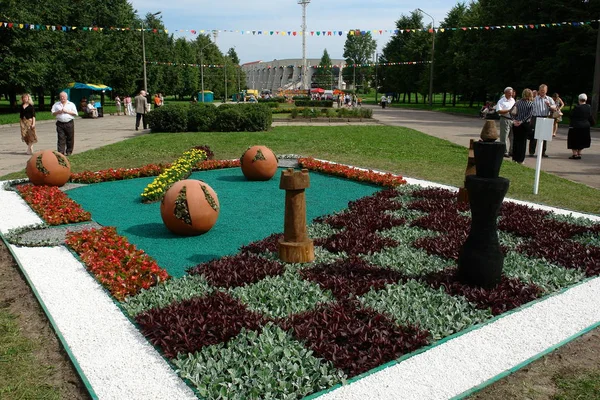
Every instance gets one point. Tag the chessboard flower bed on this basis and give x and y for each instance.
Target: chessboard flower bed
(375, 292)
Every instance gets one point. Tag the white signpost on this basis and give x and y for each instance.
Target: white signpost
(543, 131)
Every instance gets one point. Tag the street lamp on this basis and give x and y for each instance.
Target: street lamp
(432, 52)
(144, 53)
(202, 68)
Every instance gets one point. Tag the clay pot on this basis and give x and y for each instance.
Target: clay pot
(194, 213)
(47, 167)
(259, 163)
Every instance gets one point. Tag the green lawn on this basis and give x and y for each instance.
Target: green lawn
(393, 149)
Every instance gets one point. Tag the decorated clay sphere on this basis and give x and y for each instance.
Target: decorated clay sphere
(190, 207)
(259, 163)
(48, 167)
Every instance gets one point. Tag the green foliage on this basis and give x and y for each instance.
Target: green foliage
(281, 296)
(588, 239)
(294, 112)
(547, 276)
(201, 117)
(170, 291)
(229, 119)
(434, 310)
(314, 103)
(257, 366)
(257, 117)
(169, 118)
(408, 260)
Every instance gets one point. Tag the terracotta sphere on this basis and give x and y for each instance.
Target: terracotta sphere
(48, 167)
(190, 207)
(259, 163)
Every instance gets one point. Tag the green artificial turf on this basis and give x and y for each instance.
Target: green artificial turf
(249, 211)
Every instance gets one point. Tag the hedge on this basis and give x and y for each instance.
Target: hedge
(314, 103)
(203, 117)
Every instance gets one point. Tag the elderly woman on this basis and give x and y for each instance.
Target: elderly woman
(522, 125)
(27, 122)
(579, 130)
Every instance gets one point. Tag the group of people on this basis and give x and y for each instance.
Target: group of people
(65, 112)
(139, 106)
(348, 100)
(518, 121)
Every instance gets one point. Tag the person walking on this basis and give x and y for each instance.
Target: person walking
(27, 122)
(141, 106)
(542, 106)
(65, 112)
(503, 107)
(559, 104)
(522, 125)
(128, 106)
(118, 104)
(579, 137)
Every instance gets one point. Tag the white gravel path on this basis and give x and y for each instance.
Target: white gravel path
(120, 364)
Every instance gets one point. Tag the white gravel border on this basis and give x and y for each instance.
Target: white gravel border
(119, 363)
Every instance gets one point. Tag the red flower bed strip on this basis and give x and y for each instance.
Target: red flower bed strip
(353, 338)
(52, 205)
(188, 326)
(356, 174)
(118, 265)
(216, 164)
(118, 174)
(238, 270)
(508, 294)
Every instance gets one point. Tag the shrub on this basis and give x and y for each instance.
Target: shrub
(295, 112)
(169, 118)
(314, 103)
(201, 117)
(229, 119)
(257, 117)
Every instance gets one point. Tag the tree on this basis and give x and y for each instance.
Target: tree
(358, 50)
(233, 56)
(324, 74)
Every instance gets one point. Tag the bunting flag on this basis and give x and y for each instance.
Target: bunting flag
(266, 32)
(174, 64)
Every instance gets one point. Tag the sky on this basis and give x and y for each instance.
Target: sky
(179, 16)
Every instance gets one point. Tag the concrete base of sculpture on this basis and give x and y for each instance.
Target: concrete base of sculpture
(296, 252)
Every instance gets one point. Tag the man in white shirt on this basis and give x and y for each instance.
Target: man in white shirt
(543, 105)
(503, 108)
(65, 112)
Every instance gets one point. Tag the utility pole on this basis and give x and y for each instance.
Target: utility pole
(376, 83)
(225, 78)
(304, 3)
(596, 87)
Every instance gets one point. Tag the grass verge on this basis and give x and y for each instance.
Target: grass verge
(392, 149)
(22, 376)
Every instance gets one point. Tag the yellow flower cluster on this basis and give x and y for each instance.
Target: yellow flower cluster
(180, 169)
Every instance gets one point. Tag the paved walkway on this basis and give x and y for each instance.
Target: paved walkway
(459, 129)
(94, 133)
(89, 134)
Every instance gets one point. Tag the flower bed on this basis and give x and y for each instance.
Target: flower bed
(52, 205)
(118, 174)
(380, 287)
(118, 265)
(357, 174)
(180, 169)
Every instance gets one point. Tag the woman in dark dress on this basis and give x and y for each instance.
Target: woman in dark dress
(522, 125)
(579, 130)
(27, 123)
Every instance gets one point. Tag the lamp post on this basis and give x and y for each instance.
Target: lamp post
(304, 84)
(376, 83)
(202, 69)
(144, 53)
(225, 78)
(432, 53)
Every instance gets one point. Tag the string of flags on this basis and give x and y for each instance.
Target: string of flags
(322, 33)
(290, 66)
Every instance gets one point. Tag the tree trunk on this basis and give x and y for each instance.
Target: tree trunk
(454, 99)
(12, 98)
(444, 99)
(41, 100)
